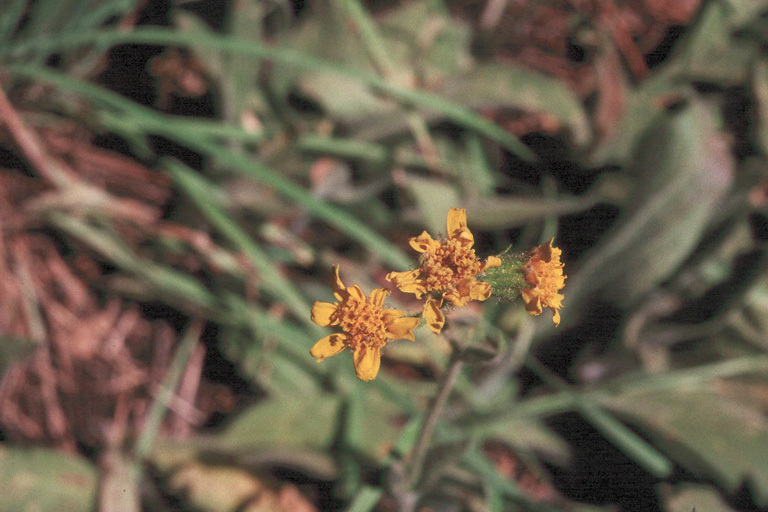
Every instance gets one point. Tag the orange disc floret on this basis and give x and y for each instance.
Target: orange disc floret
(544, 273)
(366, 326)
(447, 270)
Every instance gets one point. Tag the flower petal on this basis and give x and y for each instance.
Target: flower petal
(356, 292)
(328, 346)
(492, 261)
(424, 243)
(367, 361)
(464, 236)
(457, 219)
(433, 316)
(416, 288)
(532, 301)
(479, 290)
(555, 316)
(339, 290)
(408, 282)
(402, 328)
(457, 298)
(322, 313)
(378, 295)
(545, 252)
(390, 315)
(403, 277)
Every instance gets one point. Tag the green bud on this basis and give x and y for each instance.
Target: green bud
(508, 279)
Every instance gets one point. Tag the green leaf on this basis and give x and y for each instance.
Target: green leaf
(297, 421)
(503, 212)
(344, 98)
(435, 44)
(366, 499)
(525, 434)
(222, 488)
(506, 86)
(711, 433)
(434, 198)
(684, 169)
(45, 481)
(312, 421)
(687, 497)
(710, 52)
(643, 106)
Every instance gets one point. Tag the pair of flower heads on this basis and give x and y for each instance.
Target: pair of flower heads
(449, 272)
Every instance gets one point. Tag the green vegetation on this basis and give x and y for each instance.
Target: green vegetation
(175, 188)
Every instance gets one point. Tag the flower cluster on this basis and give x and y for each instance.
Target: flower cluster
(449, 271)
(366, 324)
(544, 274)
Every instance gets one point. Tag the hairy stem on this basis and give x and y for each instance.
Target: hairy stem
(415, 461)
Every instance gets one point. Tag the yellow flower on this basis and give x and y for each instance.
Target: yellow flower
(366, 324)
(544, 273)
(447, 270)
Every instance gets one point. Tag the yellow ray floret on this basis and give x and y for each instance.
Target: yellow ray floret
(544, 273)
(448, 269)
(366, 326)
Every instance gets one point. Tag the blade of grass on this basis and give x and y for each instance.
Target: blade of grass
(369, 37)
(612, 429)
(208, 129)
(366, 499)
(10, 19)
(98, 14)
(178, 287)
(152, 121)
(627, 441)
(149, 433)
(379, 154)
(376, 154)
(482, 176)
(377, 52)
(334, 216)
(566, 401)
(480, 465)
(204, 194)
(422, 100)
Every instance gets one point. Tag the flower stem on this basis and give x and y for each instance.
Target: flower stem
(415, 460)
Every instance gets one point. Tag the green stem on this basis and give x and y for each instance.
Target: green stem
(415, 461)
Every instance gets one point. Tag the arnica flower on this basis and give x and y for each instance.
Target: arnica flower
(447, 270)
(544, 274)
(366, 324)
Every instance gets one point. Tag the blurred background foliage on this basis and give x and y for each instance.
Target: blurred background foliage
(178, 177)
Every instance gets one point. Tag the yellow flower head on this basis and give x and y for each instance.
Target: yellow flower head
(447, 271)
(366, 324)
(544, 273)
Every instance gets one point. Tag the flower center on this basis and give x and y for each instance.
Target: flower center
(448, 264)
(363, 322)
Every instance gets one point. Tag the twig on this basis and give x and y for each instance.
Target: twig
(75, 192)
(31, 146)
(188, 388)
